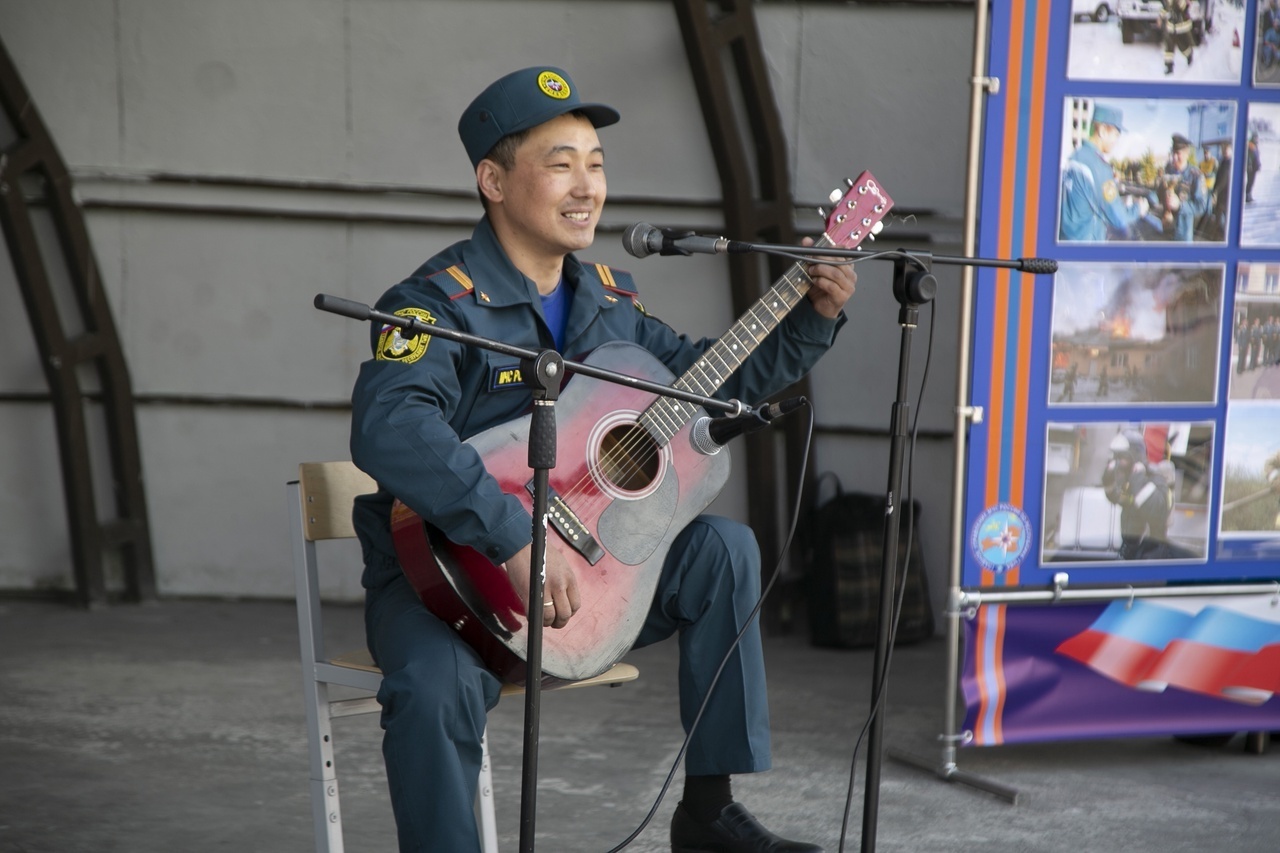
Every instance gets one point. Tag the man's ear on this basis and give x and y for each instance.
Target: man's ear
(489, 177)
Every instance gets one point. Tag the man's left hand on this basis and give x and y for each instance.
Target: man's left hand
(832, 286)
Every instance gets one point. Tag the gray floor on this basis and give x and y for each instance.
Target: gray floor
(178, 727)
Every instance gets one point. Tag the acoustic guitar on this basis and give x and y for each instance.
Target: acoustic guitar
(627, 481)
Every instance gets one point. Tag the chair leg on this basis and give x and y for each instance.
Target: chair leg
(485, 818)
(326, 813)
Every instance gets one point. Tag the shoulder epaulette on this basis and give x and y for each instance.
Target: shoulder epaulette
(619, 281)
(453, 280)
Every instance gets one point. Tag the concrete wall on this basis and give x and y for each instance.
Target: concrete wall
(235, 158)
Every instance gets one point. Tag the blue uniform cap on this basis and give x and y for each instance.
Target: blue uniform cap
(519, 101)
(1179, 141)
(1103, 114)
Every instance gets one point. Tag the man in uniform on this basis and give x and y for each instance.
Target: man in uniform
(539, 168)
(1177, 32)
(1186, 198)
(1242, 344)
(1092, 208)
(1143, 497)
(1252, 165)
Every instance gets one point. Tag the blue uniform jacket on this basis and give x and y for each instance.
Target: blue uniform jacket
(1193, 191)
(415, 402)
(1091, 202)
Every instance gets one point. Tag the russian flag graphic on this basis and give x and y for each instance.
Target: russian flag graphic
(1228, 651)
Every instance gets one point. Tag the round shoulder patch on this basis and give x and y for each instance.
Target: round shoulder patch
(1110, 192)
(553, 85)
(393, 346)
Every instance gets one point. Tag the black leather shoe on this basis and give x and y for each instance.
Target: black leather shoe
(735, 831)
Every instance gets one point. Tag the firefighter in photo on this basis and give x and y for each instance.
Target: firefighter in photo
(1176, 23)
(1143, 496)
(1092, 207)
(1186, 195)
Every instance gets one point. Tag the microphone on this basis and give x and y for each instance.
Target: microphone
(642, 240)
(710, 434)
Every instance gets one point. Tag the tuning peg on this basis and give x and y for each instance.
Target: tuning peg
(848, 182)
(822, 214)
(876, 229)
(835, 196)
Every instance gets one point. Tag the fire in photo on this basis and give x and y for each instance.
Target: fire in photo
(1135, 334)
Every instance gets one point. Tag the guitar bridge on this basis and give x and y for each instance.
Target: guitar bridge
(571, 529)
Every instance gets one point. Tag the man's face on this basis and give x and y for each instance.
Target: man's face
(1108, 135)
(550, 200)
(1180, 158)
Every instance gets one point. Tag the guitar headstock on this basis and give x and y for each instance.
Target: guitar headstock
(858, 212)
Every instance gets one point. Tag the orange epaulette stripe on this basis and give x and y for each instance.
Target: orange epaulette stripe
(606, 275)
(462, 279)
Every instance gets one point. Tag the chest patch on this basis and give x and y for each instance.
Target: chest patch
(505, 376)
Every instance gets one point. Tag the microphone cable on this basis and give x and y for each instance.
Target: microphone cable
(751, 617)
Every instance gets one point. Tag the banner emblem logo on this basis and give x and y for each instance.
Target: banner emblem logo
(1001, 538)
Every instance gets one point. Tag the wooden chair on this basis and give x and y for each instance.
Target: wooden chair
(320, 503)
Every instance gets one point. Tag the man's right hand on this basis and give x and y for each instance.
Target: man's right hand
(559, 590)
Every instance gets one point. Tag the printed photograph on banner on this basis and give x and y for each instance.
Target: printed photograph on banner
(1251, 471)
(1266, 47)
(1127, 492)
(1156, 41)
(1135, 334)
(1145, 170)
(1255, 333)
(1260, 214)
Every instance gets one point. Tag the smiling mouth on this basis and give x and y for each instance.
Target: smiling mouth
(578, 217)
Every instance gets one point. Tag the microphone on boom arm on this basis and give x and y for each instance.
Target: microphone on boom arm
(642, 240)
(711, 434)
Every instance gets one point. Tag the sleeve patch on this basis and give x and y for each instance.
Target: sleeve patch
(393, 346)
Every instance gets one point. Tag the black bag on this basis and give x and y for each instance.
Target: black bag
(842, 572)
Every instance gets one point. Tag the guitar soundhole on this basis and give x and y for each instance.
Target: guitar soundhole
(629, 458)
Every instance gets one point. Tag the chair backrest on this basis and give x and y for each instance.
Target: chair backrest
(328, 490)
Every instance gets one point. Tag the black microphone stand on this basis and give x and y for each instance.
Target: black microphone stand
(543, 370)
(914, 285)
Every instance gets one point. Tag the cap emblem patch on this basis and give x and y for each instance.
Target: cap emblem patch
(553, 85)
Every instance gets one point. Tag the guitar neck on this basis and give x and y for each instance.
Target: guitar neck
(666, 416)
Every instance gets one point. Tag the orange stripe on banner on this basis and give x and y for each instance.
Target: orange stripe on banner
(1009, 185)
(997, 713)
(1029, 284)
(980, 676)
(995, 402)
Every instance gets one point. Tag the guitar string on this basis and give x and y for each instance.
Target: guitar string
(639, 449)
(632, 456)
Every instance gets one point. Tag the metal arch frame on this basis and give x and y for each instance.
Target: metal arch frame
(29, 160)
(724, 49)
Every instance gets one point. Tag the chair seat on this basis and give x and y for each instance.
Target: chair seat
(619, 673)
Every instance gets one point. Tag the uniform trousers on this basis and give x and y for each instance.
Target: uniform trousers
(436, 692)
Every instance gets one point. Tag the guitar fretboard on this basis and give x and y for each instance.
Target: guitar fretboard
(666, 416)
